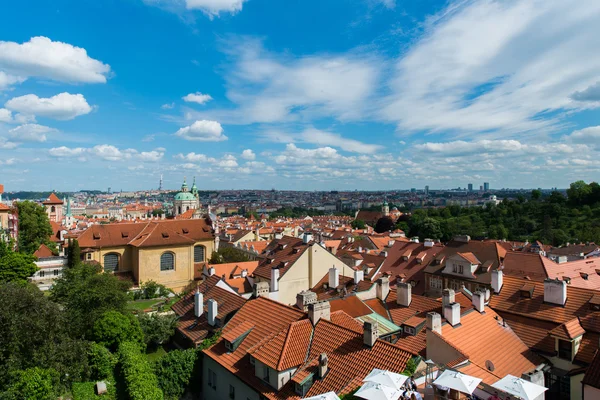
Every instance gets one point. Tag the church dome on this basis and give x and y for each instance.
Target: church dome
(185, 196)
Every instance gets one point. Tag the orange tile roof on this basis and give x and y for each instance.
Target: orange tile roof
(342, 319)
(521, 265)
(240, 285)
(569, 330)
(52, 199)
(419, 305)
(235, 268)
(238, 331)
(351, 305)
(4, 207)
(280, 253)
(470, 257)
(288, 348)
(592, 375)
(43, 251)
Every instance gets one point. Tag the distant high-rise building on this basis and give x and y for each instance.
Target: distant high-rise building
(480, 188)
(109, 190)
(413, 190)
(470, 187)
(486, 186)
(160, 182)
(426, 190)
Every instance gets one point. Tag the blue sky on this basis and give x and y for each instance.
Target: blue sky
(298, 94)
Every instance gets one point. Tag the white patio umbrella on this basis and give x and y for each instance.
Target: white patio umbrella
(386, 378)
(377, 391)
(457, 381)
(324, 396)
(519, 387)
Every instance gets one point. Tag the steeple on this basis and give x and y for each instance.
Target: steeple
(194, 188)
(68, 213)
(184, 186)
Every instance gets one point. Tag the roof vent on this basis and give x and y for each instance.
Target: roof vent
(490, 365)
(165, 235)
(185, 230)
(124, 234)
(584, 275)
(96, 236)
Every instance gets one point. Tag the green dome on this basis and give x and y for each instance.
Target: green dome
(184, 196)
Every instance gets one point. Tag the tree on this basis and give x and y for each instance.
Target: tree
(34, 227)
(87, 294)
(139, 377)
(74, 253)
(102, 362)
(536, 194)
(579, 193)
(34, 384)
(113, 328)
(384, 224)
(15, 267)
(430, 228)
(157, 329)
(358, 224)
(228, 255)
(174, 371)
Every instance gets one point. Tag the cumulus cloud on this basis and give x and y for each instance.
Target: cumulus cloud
(591, 134)
(324, 138)
(6, 144)
(30, 133)
(203, 131)
(63, 106)
(197, 98)
(43, 58)
(248, 154)
(108, 152)
(592, 93)
(460, 147)
(7, 80)
(193, 157)
(65, 152)
(5, 115)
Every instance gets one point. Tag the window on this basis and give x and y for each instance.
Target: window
(111, 262)
(410, 330)
(52, 209)
(167, 262)
(231, 392)
(302, 388)
(266, 373)
(212, 379)
(565, 349)
(460, 269)
(89, 256)
(56, 272)
(199, 252)
(42, 273)
(454, 268)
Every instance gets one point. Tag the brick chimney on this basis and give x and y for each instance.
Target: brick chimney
(479, 301)
(198, 303)
(371, 333)
(497, 280)
(213, 311)
(383, 287)
(318, 310)
(555, 292)
(323, 361)
(447, 297)
(403, 294)
(334, 278)
(434, 322)
(452, 313)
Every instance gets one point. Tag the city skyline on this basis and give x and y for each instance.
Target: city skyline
(257, 94)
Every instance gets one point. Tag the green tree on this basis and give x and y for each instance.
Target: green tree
(74, 253)
(34, 384)
(140, 381)
(34, 227)
(87, 294)
(384, 224)
(228, 255)
(113, 328)
(174, 371)
(101, 361)
(157, 329)
(430, 228)
(536, 194)
(358, 224)
(15, 267)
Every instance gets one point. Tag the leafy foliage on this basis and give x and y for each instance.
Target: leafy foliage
(152, 290)
(113, 328)
(86, 294)
(228, 255)
(139, 378)
(73, 254)
(34, 227)
(15, 267)
(208, 342)
(384, 224)
(174, 371)
(358, 224)
(34, 384)
(157, 329)
(102, 362)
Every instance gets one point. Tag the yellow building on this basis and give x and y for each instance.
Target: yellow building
(167, 252)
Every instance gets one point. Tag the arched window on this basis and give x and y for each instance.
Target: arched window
(52, 209)
(199, 252)
(111, 262)
(179, 208)
(167, 261)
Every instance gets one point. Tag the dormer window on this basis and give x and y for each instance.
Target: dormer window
(410, 330)
(302, 388)
(565, 349)
(526, 290)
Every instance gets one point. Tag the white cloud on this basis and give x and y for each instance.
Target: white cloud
(7, 145)
(5, 115)
(108, 152)
(151, 156)
(193, 157)
(324, 138)
(168, 106)
(63, 106)
(197, 98)
(7, 80)
(591, 93)
(460, 147)
(65, 152)
(30, 133)
(213, 8)
(43, 58)
(496, 65)
(590, 135)
(248, 154)
(269, 87)
(204, 131)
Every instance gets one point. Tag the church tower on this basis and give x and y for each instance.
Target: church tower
(186, 200)
(385, 208)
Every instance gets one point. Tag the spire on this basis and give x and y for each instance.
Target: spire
(194, 188)
(68, 214)
(184, 186)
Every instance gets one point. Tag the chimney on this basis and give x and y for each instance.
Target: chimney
(211, 271)
(384, 253)
(414, 239)
(359, 275)
(403, 294)
(212, 312)
(383, 287)
(318, 310)
(334, 278)
(479, 301)
(429, 242)
(497, 280)
(305, 298)
(462, 238)
(391, 242)
(359, 249)
(447, 297)
(198, 303)
(487, 294)
(555, 292)
(371, 333)
(274, 279)
(307, 237)
(244, 273)
(322, 365)
(434, 322)
(260, 289)
(452, 313)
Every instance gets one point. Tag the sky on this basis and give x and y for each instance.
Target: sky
(298, 94)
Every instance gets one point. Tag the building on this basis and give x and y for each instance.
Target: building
(591, 380)
(169, 252)
(470, 187)
(54, 208)
(486, 186)
(186, 200)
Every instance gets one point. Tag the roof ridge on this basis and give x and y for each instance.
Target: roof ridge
(288, 338)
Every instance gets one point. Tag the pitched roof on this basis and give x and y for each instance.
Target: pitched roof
(43, 251)
(470, 257)
(521, 265)
(288, 348)
(280, 253)
(569, 330)
(52, 199)
(592, 375)
(351, 305)
(4, 207)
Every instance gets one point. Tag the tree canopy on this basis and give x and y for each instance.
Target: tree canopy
(34, 227)
(384, 224)
(15, 267)
(228, 255)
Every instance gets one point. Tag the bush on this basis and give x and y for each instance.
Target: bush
(34, 384)
(174, 371)
(101, 361)
(139, 378)
(113, 327)
(157, 329)
(87, 391)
